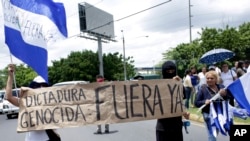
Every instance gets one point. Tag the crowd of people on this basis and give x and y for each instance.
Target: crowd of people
(193, 80)
(211, 80)
(166, 128)
(199, 88)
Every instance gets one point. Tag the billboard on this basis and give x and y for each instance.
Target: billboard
(95, 21)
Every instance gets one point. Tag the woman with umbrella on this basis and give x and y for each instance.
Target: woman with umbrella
(216, 55)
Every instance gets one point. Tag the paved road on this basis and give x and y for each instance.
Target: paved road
(133, 131)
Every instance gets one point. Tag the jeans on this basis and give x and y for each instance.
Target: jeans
(188, 91)
(207, 122)
(193, 94)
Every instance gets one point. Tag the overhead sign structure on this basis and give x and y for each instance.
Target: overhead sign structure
(98, 24)
(95, 21)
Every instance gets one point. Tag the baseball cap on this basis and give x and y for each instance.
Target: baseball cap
(37, 82)
(39, 79)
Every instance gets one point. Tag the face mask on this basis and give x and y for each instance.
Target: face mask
(168, 70)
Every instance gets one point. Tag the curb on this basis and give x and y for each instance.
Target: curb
(199, 118)
(196, 118)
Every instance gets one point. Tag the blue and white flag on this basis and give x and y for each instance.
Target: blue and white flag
(30, 25)
(221, 118)
(239, 112)
(240, 89)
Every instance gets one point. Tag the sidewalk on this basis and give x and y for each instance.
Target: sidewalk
(195, 117)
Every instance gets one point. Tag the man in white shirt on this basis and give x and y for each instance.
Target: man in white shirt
(227, 75)
(202, 76)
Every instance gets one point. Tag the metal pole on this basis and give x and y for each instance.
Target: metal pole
(14, 77)
(100, 56)
(190, 24)
(124, 57)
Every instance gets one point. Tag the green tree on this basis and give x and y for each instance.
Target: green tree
(2, 79)
(185, 55)
(85, 66)
(244, 31)
(234, 39)
(23, 76)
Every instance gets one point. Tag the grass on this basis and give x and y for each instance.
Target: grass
(237, 120)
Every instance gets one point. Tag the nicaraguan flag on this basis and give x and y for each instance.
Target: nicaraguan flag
(220, 118)
(239, 112)
(240, 89)
(213, 116)
(30, 25)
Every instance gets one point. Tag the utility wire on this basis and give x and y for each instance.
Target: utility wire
(131, 15)
(143, 10)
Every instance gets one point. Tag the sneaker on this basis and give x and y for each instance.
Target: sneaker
(106, 131)
(98, 132)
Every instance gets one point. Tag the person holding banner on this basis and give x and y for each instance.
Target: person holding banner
(38, 82)
(170, 128)
(99, 79)
(205, 93)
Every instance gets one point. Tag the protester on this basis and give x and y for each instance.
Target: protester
(240, 70)
(99, 79)
(227, 77)
(195, 81)
(212, 67)
(202, 77)
(235, 66)
(217, 69)
(188, 87)
(205, 93)
(38, 82)
(246, 65)
(170, 128)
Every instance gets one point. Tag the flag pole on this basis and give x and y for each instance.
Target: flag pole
(14, 76)
(212, 99)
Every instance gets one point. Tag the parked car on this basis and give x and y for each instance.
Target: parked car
(1, 101)
(8, 108)
(71, 83)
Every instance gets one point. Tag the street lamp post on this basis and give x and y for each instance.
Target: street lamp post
(124, 57)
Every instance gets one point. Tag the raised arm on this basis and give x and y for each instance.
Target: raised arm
(12, 99)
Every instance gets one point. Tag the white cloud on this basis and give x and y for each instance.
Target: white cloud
(166, 26)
